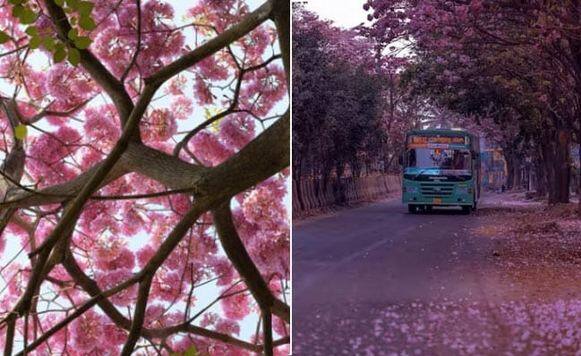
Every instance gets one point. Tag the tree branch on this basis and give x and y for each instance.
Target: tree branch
(138, 316)
(91, 287)
(249, 23)
(71, 214)
(113, 87)
(267, 328)
(281, 16)
(236, 252)
(266, 155)
(138, 49)
(45, 112)
(230, 110)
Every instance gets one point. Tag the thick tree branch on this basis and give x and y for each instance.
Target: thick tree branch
(272, 146)
(281, 16)
(13, 165)
(138, 316)
(267, 328)
(9, 340)
(266, 155)
(166, 169)
(236, 252)
(61, 192)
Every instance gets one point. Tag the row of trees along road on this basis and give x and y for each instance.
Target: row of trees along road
(511, 68)
(349, 110)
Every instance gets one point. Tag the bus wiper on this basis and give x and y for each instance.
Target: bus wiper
(421, 172)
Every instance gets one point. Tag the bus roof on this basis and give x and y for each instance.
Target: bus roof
(474, 139)
(451, 132)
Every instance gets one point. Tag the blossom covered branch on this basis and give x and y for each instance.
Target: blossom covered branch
(71, 194)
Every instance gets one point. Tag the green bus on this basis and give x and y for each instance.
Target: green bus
(441, 167)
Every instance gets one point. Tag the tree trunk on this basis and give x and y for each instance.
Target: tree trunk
(540, 182)
(579, 176)
(575, 45)
(297, 169)
(509, 170)
(563, 166)
(339, 191)
(517, 175)
(550, 174)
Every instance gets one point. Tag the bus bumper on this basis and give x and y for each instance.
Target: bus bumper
(459, 196)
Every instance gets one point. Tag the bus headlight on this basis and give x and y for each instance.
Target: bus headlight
(463, 190)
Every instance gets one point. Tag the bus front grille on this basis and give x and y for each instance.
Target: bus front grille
(436, 189)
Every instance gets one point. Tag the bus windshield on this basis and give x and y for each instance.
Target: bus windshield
(440, 158)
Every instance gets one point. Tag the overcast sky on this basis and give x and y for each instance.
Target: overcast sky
(345, 13)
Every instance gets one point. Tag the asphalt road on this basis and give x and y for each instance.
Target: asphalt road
(349, 269)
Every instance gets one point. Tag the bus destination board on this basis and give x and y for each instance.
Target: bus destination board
(435, 141)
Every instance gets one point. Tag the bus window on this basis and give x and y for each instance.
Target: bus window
(461, 160)
(441, 158)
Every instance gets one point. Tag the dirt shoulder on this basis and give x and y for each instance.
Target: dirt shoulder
(537, 248)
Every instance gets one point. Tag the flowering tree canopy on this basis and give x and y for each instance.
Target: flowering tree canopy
(516, 66)
(144, 149)
(349, 109)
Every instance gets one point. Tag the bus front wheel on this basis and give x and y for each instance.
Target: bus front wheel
(412, 209)
(466, 209)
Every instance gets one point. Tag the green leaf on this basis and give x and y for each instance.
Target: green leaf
(85, 8)
(34, 42)
(4, 37)
(59, 54)
(73, 34)
(192, 351)
(73, 4)
(32, 31)
(20, 132)
(49, 43)
(82, 42)
(28, 16)
(16, 2)
(74, 56)
(17, 11)
(60, 3)
(87, 23)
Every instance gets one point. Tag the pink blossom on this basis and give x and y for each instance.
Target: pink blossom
(87, 331)
(208, 148)
(160, 125)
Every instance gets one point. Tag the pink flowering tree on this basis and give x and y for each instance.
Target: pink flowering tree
(349, 109)
(529, 55)
(144, 153)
